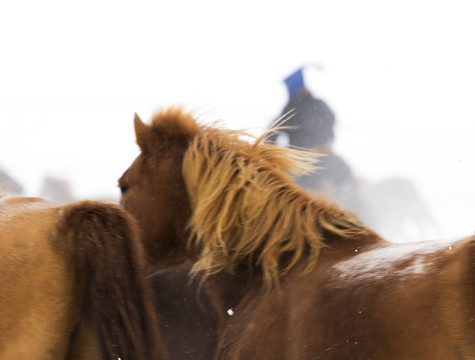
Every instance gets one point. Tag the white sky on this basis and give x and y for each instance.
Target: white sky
(399, 75)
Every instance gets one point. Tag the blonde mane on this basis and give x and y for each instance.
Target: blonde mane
(245, 207)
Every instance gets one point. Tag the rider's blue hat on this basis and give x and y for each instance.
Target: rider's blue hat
(294, 82)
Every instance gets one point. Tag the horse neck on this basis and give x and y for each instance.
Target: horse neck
(227, 290)
(172, 252)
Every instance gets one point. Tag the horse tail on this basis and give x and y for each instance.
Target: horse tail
(101, 246)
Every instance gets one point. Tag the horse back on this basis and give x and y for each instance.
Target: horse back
(395, 301)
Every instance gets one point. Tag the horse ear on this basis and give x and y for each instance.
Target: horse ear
(141, 131)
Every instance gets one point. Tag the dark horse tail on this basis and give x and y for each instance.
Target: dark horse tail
(101, 245)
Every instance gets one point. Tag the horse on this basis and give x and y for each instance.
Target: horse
(73, 283)
(395, 208)
(297, 276)
(188, 322)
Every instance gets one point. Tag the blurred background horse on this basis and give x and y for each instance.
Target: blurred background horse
(395, 209)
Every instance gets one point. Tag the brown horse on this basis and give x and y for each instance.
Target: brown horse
(302, 278)
(188, 321)
(72, 283)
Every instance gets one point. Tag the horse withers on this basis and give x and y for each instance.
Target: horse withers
(292, 275)
(72, 283)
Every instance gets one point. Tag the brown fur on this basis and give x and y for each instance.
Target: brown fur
(188, 322)
(343, 292)
(72, 283)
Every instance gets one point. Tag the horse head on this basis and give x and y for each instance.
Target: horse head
(153, 188)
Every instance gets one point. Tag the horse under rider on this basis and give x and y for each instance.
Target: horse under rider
(312, 127)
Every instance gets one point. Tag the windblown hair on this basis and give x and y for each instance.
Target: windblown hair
(245, 206)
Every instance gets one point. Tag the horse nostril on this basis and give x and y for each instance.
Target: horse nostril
(123, 190)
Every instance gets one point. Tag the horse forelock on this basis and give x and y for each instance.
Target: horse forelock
(246, 209)
(170, 126)
(175, 123)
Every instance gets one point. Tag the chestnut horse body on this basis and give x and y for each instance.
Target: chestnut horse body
(72, 283)
(291, 276)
